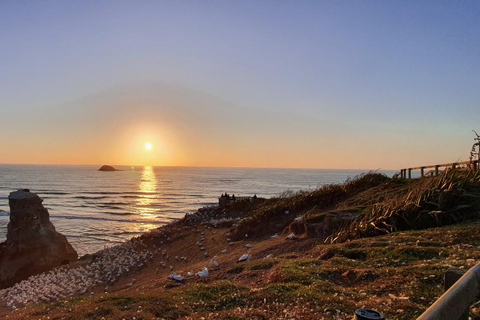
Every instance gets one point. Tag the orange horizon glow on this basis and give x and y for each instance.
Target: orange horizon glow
(184, 145)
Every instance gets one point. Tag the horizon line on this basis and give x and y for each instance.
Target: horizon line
(193, 166)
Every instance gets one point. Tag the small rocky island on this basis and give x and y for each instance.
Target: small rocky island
(33, 245)
(107, 168)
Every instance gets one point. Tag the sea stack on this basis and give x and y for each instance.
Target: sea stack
(107, 168)
(33, 245)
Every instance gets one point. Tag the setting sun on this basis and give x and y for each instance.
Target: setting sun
(148, 146)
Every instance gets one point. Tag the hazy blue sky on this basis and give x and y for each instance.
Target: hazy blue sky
(322, 84)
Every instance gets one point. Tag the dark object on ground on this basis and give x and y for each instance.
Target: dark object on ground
(33, 245)
(368, 314)
(107, 168)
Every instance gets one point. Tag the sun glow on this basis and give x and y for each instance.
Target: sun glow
(148, 146)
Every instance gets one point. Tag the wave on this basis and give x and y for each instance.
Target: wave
(53, 193)
(118, 192)
(93, 234)
(105, 239)
(130, 197)
(90, 198)
(152, 205)
(164, 219)
(117, 203)
(119, 213)
(109, 207)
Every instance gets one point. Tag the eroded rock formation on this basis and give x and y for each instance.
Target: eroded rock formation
(33, 245)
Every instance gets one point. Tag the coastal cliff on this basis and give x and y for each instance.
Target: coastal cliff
(33, 245)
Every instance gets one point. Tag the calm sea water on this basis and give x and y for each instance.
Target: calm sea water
(94, 208)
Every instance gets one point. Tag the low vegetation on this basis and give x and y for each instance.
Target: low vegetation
(380, 243)
(370, 205)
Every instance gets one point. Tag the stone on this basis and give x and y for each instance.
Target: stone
(107, 168)
(33, 245)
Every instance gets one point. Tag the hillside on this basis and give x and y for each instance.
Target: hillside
(353, 248)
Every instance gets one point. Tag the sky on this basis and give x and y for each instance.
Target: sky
(284, 84)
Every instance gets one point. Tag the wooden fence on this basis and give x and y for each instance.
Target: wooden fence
(438, 168)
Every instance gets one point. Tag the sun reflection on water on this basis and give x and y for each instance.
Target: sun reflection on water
(148, 190)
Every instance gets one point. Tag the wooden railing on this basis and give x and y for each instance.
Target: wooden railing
(437, 168)
(454, 304)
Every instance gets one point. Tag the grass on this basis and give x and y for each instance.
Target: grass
(428, 202)
(374, 205)
(400, 274)
(391, 257)
(263, 265)
(270, 216)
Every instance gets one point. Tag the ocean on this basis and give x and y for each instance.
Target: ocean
(94, 209)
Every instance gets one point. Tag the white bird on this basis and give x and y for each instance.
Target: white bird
(291, 236)
(245, 257)
(190, 274)
(274, 236)
(176, 277)
(224, 251)
(248, 246)
(214, 263)
(203, 273)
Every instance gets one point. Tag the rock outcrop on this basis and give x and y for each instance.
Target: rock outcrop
(107, 168)
(33, 245)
